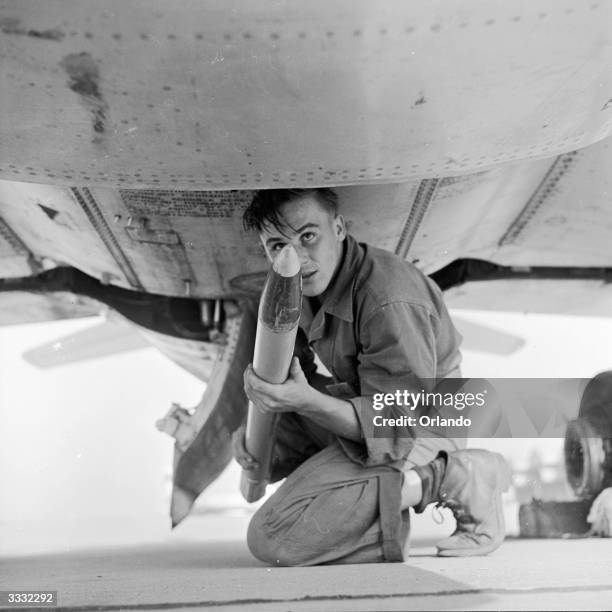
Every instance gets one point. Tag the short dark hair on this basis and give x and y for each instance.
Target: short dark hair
(265, 207)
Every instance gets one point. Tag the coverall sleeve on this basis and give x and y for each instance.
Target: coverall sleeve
(398, 352)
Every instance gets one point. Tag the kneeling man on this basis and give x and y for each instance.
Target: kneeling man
(378, 325)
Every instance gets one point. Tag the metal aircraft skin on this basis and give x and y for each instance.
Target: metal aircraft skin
(470, 138)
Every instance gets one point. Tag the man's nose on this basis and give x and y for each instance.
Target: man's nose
(302, 255)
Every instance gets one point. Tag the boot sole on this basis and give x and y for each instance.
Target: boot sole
(501, 486)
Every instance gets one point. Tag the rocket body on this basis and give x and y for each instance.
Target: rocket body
(277, 325)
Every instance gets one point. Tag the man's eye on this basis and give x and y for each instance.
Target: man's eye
(308, 236)
(277, 247)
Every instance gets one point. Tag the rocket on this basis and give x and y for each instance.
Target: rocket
(277, 325)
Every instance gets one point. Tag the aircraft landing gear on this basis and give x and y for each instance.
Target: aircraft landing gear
(588, 440)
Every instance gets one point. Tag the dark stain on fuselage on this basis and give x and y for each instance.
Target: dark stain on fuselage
(10, 25)
(84, 80)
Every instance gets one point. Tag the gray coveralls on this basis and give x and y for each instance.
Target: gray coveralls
(382, 326)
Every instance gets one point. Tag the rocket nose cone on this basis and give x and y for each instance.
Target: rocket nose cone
(287, 262)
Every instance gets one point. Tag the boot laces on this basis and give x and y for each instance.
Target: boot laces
(462, 516)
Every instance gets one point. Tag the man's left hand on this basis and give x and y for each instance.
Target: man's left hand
(294, 395)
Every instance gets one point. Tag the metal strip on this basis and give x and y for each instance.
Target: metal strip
(96, 218)
(422, 200)
(18, 246)
(537, 199)
(13, 240)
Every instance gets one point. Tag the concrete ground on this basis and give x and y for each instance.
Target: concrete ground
(215, 570)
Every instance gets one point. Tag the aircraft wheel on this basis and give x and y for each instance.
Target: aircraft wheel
(588, 440)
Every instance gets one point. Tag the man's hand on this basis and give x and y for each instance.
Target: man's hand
(241, 455)
(294, 395)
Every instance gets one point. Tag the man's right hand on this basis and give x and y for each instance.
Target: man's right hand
(246, 461)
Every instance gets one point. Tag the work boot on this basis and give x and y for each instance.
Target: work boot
(471, 487)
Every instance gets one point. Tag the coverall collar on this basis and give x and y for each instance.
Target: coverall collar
(338, 297)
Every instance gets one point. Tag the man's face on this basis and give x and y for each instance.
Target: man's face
(317, 237)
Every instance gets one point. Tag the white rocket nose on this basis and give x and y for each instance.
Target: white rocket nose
(287, 262)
